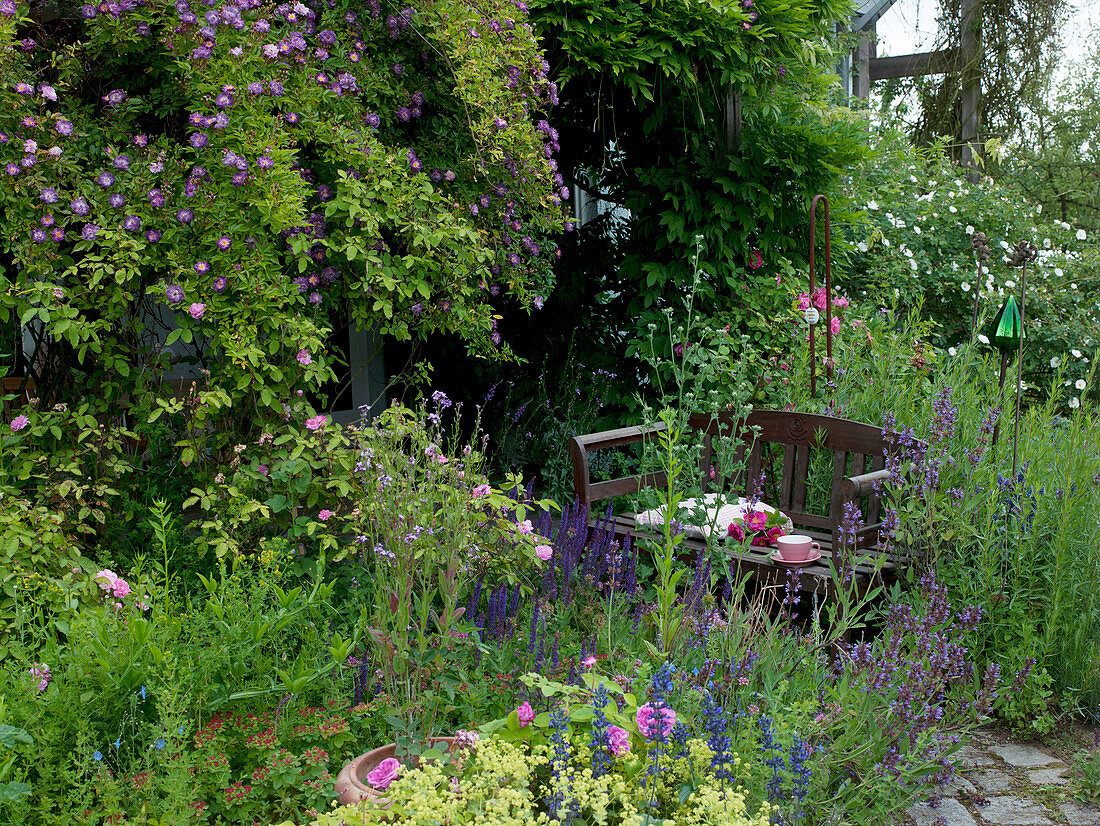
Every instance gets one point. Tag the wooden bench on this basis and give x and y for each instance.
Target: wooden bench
(781, 446)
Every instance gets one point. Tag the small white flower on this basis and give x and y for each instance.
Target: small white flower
(1079, 384)
(1004, 245)
(983, 338)
(1055, 363)
(1046, 243)
(1038, 209)
(1076, 353)
(985, 270)
(1058, 272)
(966, 286)
(952, 209)
(1081, 235)
(872, 205)
(862, 246)
(912, 265)
(951, 351)
(917, 230)
(1010, 284)
(913, 179)
(1075, 402)
(969, 229)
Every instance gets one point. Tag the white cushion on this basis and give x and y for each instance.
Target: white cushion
(706, 517)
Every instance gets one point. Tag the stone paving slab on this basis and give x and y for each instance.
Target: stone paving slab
(973, 757)
(1080, 815)
(1056, 776)
(951, 810)
(1023, 756)
(1009, 810)
(992, 780)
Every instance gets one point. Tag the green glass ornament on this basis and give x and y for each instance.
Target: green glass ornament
(1006, 331)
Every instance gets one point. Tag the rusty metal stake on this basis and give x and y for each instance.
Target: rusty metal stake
(828, 293)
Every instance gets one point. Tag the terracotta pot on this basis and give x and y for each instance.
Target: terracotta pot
(351, 783)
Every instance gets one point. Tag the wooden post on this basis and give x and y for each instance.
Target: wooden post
(862, 63)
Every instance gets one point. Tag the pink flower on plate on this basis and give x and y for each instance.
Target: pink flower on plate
(325, 515)
(652, 720)
(316, 422)
(19, 422)
(618, 741)
(382, 775)
(106, 579)
(120, 588)
(525, 714)
(544, 552)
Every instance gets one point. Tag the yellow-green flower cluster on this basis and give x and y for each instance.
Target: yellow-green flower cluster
(497, 787)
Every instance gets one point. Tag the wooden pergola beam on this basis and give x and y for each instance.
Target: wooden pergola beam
(913, 65)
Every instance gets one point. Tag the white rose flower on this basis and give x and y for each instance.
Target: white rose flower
(1038, 209)
(1046, 243)
(951, 351)
(1081, 235)
(1076, 353)
(969, 229)
(1058, 272)
(912, 265)
(872, 205)
(1010, 284)
(1055, 363)
(1075, 402)
(966, 287)
(952, 209)
(912, 179)
(983, 338)
(917, 230)
(1079, 384)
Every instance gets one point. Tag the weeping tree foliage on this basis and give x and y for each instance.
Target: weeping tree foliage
(1020, 47)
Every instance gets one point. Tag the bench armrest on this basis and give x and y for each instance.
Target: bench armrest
(854, 487)
(581, 446)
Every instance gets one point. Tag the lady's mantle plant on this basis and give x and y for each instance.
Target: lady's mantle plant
(212, 182)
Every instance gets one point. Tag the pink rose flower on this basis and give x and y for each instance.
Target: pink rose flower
(736, 531)
(316, 422)
(304, 358)
(618, 741)
(525, 527)
(834, 325)
(819, 298)
(480, 490)
(525, 714)
(106, 579)
(756, 260)
(120, 588)
(652, 720)
(382, 775)
(325, 515)
(756, 520)
(19, 422)
(588, 662)
(544, 552)
(196, 310)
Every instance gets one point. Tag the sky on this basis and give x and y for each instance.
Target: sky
(910, 26)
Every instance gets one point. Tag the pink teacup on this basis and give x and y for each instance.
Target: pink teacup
(795, 548)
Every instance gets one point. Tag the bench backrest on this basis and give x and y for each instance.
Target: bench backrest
(857, 449)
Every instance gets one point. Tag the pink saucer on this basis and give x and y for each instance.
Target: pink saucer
(813, 557)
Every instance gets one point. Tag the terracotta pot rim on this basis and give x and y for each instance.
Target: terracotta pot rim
(351, 785)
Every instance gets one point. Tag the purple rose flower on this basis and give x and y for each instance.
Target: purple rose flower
(58, 234)
(199, 140)
(256, 88)
(185, 216)
(105, 179)
(131, 223)
(202, 267)
(224, 243)
(64, 127)
(38, 235)
(276, 88)
(220, 283)
(12, 169)
(8, 8)
(197, 310)
(372, 120)
(115, 97)
(122, 162)
(116, 200)
(152, 236)
(48, 195)
(156, 198)
(89, 232)
(174, 293)
(80, 207)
